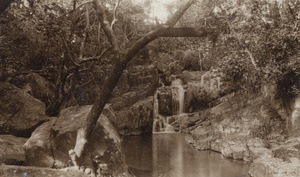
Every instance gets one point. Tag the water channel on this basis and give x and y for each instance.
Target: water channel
(168, 155)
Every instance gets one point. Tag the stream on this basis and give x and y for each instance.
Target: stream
(168, 155)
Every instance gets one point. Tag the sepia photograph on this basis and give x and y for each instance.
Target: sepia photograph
(149, 88)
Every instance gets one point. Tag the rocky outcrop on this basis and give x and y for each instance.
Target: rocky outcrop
(294, 118)
(250, 128)
(11, 150)
(17, 171)
(273, 167)
(202, 92)
(136, 119)
(287, 107)
(20, 113)
(239, 127)
(164, 97)
(49, 144)
(40, 88)
(133, 107)
(140, 79)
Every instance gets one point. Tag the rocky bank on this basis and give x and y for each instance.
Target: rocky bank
(259, 127)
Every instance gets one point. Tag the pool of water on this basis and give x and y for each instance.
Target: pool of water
(168, 155)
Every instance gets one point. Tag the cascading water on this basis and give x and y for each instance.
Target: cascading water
(162, 124)
(177, 97)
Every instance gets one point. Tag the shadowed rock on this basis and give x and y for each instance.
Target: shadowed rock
(20, 113)
(11, 150)
(54, 140)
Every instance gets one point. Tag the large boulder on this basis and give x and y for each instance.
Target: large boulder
(40, 88)
(285, 161)
(55, 139)
(20, 113)
(132, 100)
(273, 167)
(11, 150)
(137, 119)
(38, 148)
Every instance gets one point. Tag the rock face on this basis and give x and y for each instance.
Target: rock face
(50, 143)
(209, 86)
(40, 88)
(20, 113)
(250, 128)
(17, 171)
(11, 150)
(133, 102)
(136, 119)
(237, 127)
(164, 96)
(294, 119)
(285, 161)
(141, 79)
(273, 167)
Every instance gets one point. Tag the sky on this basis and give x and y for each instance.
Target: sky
(158, 8)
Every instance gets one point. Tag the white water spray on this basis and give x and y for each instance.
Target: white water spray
(163, 124)
(177, 97)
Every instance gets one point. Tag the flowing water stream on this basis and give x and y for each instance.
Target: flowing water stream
(162, 124)
(168, 155)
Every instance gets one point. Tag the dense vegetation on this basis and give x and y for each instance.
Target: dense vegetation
(82, 47)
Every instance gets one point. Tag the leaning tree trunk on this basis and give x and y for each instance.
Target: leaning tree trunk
(119, 63)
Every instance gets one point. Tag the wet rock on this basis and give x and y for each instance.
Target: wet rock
(11, 150)
(20, 113)
(164, 97)
(201, 137)
(17, 171)
(104, 143)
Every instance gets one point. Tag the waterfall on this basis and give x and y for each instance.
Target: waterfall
(163, 124)
(177, 97)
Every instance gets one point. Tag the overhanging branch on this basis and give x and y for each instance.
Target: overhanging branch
(105, 25)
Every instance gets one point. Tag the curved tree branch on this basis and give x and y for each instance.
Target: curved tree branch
(119, 63)
(105, 25)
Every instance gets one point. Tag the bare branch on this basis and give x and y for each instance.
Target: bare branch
(115, 15)
(178, 14)
(155, 33)
(94, 58)
(105, 25)
(68, 50)
(85, 34)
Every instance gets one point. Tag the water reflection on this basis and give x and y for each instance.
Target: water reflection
(167, 155)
